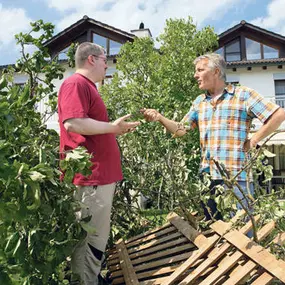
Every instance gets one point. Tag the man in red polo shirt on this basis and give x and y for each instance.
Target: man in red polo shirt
(84, 122)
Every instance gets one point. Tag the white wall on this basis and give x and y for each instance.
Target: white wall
(260, 80)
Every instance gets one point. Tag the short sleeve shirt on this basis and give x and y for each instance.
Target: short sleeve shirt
(224, 124)
(79, 98)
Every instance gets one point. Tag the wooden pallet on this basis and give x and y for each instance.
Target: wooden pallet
(176, 253)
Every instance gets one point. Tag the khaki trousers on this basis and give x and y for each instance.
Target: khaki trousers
(96, 202)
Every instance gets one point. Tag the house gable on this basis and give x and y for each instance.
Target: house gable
(247, 44)
(84, 30)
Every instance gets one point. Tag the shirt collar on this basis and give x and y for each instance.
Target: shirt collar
(230, 89)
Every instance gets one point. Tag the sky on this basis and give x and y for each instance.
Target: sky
(16, 15)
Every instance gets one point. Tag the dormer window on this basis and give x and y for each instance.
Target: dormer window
(256, 50)
(270, 52)
(232, 51)
(253, 49)
(111, 47)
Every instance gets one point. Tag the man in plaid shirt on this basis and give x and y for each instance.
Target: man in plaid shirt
(223, 115)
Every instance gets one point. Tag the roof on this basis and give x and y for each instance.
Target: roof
(269, 61)
(245, 25)
(82, 22)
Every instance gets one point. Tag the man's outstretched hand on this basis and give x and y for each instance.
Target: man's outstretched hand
(122, 126)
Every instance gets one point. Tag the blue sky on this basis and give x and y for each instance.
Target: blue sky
(15, 15)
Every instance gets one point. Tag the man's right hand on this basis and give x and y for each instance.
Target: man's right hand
(151, 115)
(122, 127)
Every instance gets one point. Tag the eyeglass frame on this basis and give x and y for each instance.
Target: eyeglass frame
(98, 56)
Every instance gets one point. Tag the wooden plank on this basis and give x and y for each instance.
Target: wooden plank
(152, 243)
(188, 231)
(150, 274)
(148, 233)
(240, 272)
(279, 239)
(157, 263)
(215, 255)
(152, 249)
(230, 262)
(190, 261)
(153, 236)
(212, 258)
(158, 248)
(264, 279)
(248, 226)
(161, 254)
(252, 250)
(265, 230)
(126, 265)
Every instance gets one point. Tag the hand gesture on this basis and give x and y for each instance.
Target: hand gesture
(151, 115)
(123, 127)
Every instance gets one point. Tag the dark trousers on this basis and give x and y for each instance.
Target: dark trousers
(210, 209)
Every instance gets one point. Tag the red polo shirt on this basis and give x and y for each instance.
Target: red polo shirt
(79, 98)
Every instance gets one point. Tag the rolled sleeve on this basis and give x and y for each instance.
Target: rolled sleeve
(261, 108)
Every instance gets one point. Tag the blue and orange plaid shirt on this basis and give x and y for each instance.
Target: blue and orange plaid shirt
(224, 123)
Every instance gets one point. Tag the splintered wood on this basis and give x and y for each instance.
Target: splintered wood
(176, 253)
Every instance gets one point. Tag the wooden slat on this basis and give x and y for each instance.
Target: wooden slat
(265, 230)
(126, 265)
(151, 273)
(188, 231)
(158, 248)
(279, 239)
(153, 236)
(161, 262)
(252, 250)
(225, 267)
(213, 256)
(166, 225)
(190, 261)
(155, 242)
(161, 254)
(240, 272)
(264, 279)
(152, 249)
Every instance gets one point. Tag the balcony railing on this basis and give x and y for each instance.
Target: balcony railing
(280, 101)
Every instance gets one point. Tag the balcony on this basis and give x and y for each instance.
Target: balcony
(280, 101)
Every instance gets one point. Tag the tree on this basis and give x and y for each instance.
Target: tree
(37, 222)
(162, 168)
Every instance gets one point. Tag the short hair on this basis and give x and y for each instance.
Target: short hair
(84, 50)
(214, 61)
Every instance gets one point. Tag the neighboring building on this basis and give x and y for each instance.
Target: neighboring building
(88, 29)
(256, 58)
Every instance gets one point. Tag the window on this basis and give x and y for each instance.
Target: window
(220, 51)
(101, 41)
(256, 50)
(253, 49)
(280, 92)
(232, 51)
(270, 52)
(114, 47)
(111, 47)
(63, 54)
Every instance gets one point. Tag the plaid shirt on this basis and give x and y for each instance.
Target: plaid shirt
(224, 123)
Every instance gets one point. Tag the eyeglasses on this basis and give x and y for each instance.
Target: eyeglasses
(104, 58)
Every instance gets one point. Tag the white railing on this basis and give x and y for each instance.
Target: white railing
(280, 101)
